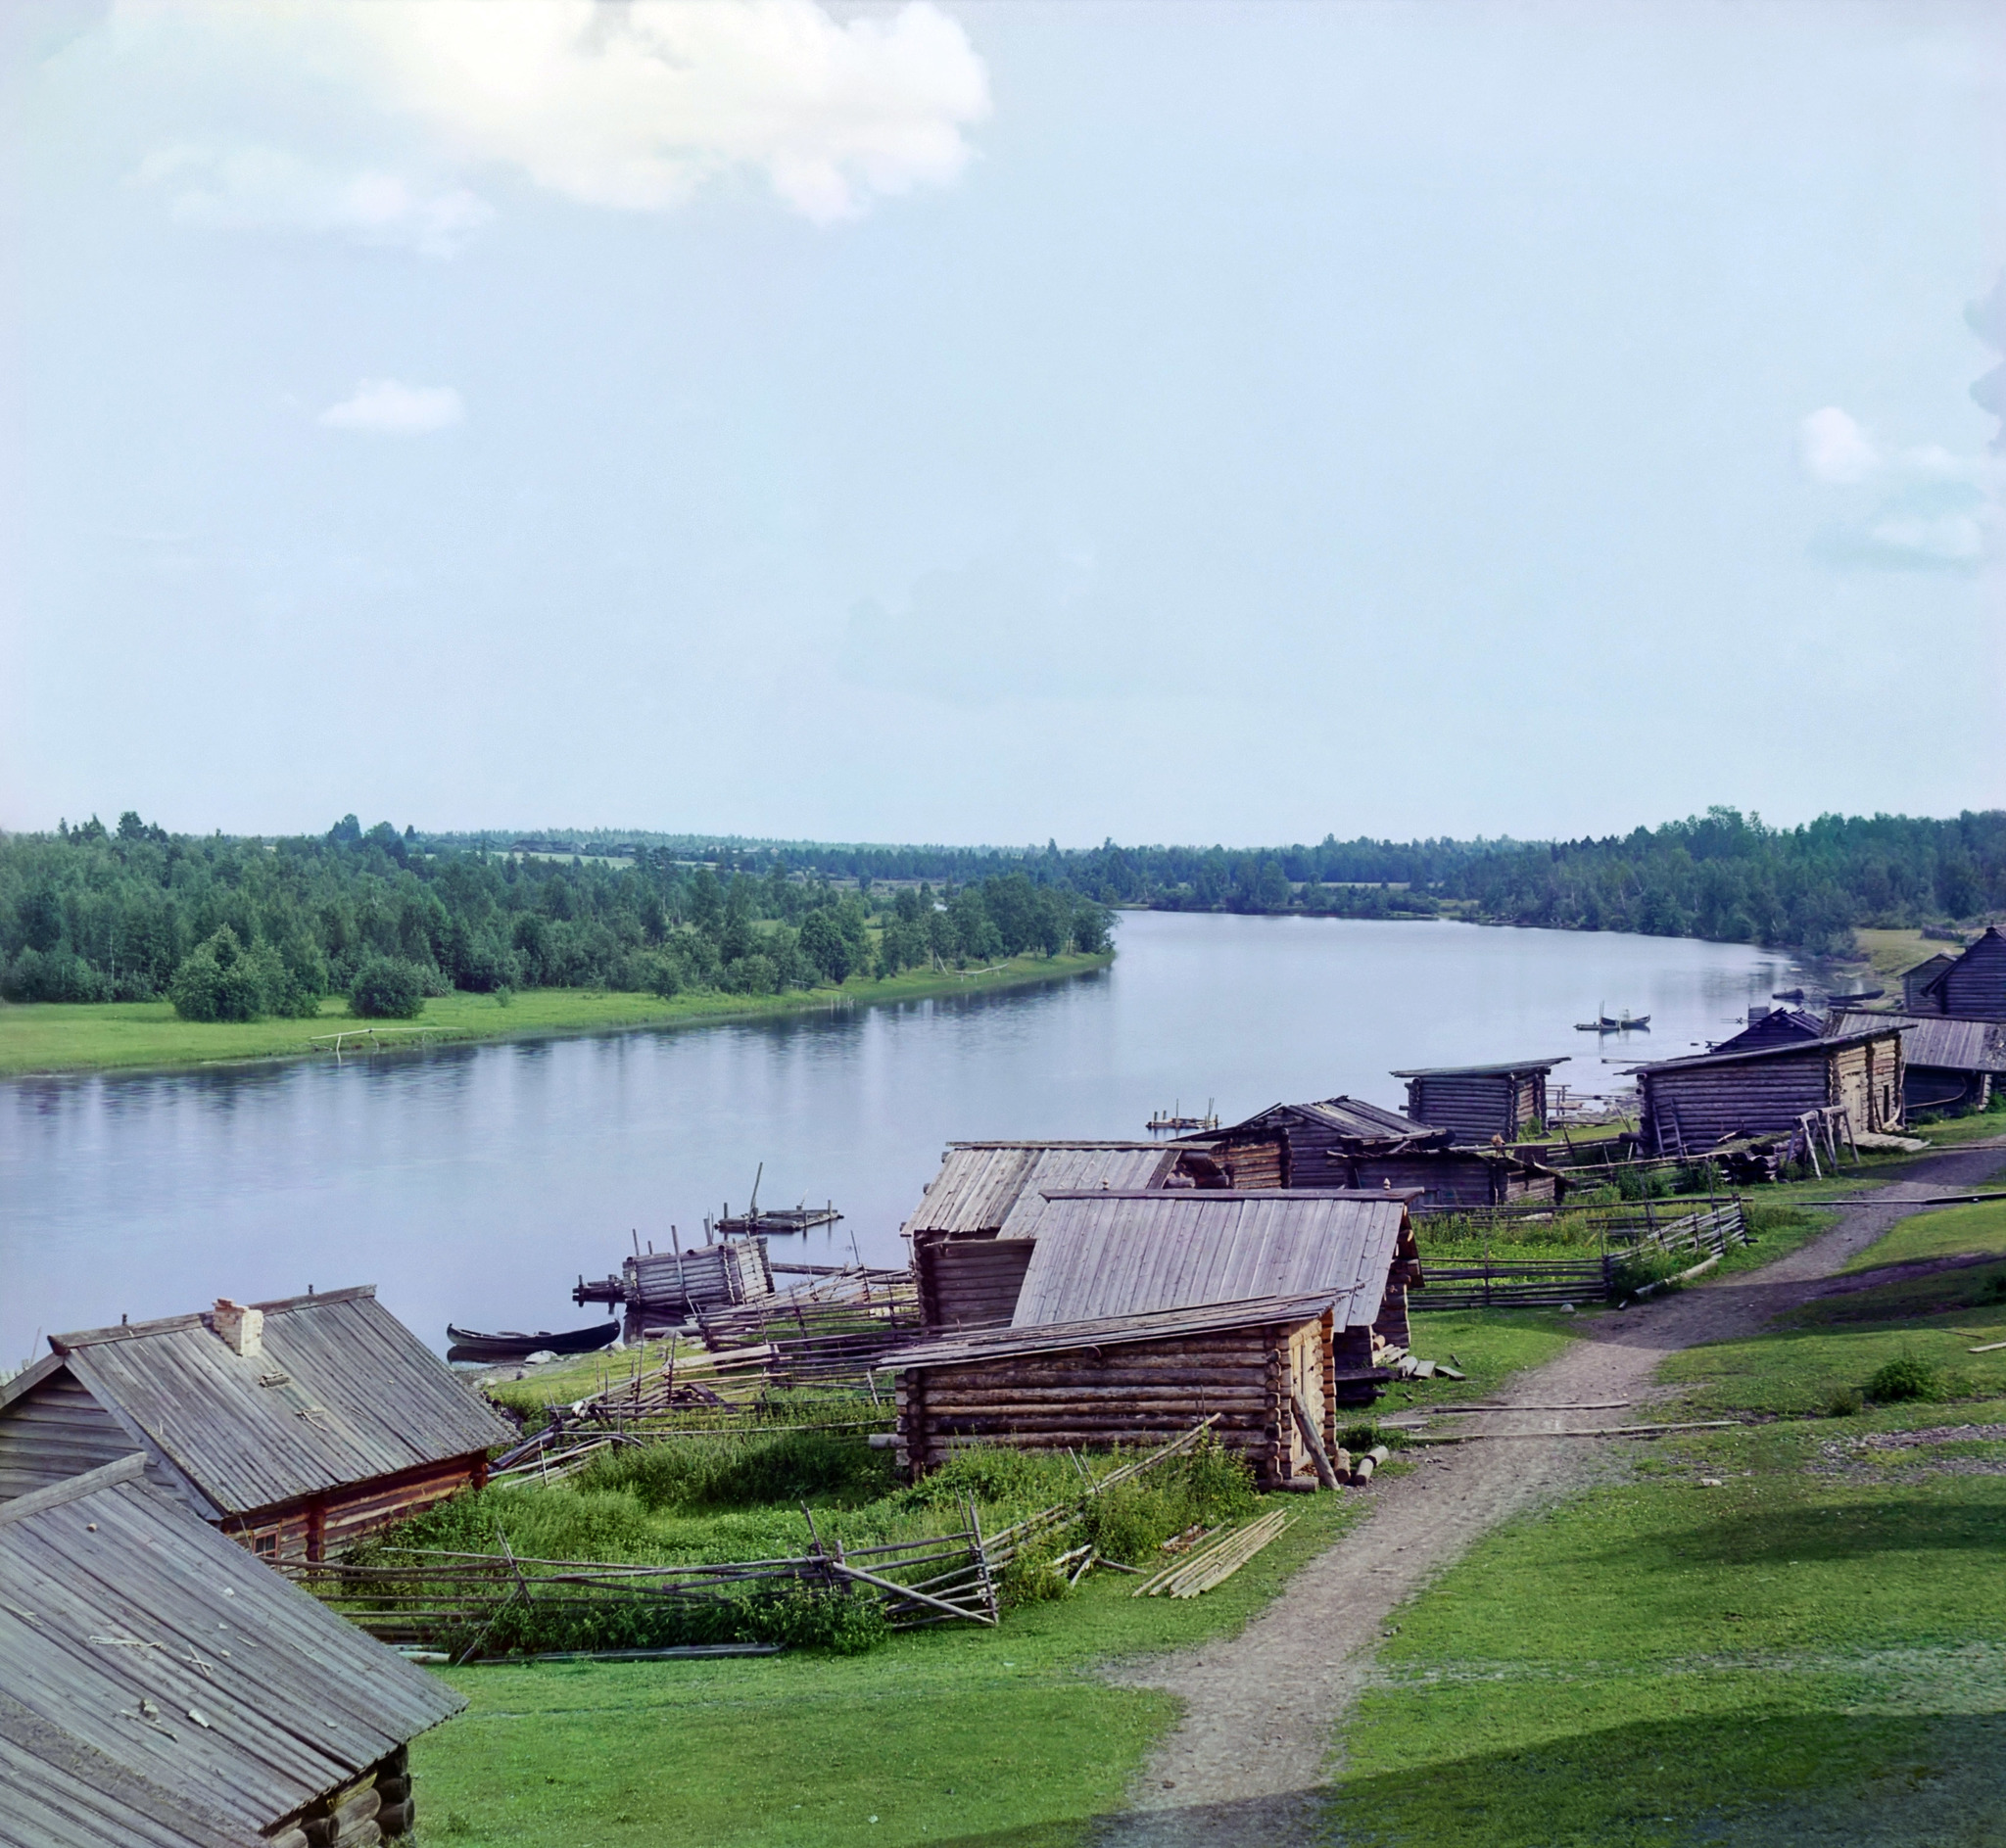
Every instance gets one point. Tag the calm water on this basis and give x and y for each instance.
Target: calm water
(474, 1185)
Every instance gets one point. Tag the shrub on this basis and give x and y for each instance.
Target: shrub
(388, 988)
(1843, 1403)
(222, 979)
(1906, 1377)
(1032, 1576)
(56, 975)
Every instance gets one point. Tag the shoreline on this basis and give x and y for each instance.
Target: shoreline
(71, 1039)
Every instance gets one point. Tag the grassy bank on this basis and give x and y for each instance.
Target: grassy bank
(56, 1037)
(1791, 1632)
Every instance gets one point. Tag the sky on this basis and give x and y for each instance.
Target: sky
(1173, 422)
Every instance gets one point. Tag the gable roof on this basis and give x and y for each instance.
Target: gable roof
(115, 1600)
(1347, 1116)
(1511, 1068)
(999, 1187)
(1775, 1029)
(1937, 1040)
(1783, 1049)
(1975, 981)
(985, 1343)
(341, 1393)
(1103, 1254)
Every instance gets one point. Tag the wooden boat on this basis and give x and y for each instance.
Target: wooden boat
(1858, 994)
(470, 1345)
(1603, 1024)
(1787, 994)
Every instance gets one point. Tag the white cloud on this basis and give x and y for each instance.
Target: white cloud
(261, 188)
(632, 108)
(1951, 539)
(1835, 448)
(386, 407)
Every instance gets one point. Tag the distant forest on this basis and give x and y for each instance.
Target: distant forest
(224, 923)
(231, 928)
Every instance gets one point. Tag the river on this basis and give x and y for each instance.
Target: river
(475, 1184)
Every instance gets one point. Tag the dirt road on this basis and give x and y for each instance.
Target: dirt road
(1244, 1767)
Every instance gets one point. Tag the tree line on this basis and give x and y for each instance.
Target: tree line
(224, 923)
(234, 929)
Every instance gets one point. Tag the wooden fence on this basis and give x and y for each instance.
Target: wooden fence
(1622, 1238)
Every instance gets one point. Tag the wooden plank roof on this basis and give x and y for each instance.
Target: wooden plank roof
(1937, 1040)
(341, 1393)
(1108, 1253)
(1775, 1028)
(983, 1344)
(1510, 1069)
(1349, 1116)
(1783, 1049)
(165, 1687)
(999, 1187)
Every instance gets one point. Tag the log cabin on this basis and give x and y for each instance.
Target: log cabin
(1946, 1064)
(1774, 1026)
(1475, 1103)
(166, 1689)
(1915, 982)
(296, 1427)
(1687, 1105)
(1971, 986)
(1143, 1311)
(973, 1230)
(1344, 1142)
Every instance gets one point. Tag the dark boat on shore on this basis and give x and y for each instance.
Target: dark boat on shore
(470, 1345)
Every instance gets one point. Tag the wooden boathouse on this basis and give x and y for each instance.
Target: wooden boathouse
(973, 1232)
(1687, 1105)
(165, 1689)
(1475, 1103)
(1946, 1063)
(1971, 986)
(1141, 1312)
(1344, 1142)
(296, 1427)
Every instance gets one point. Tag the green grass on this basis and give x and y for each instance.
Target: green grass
(1777, 1634)
(1940, 1232)
(61, 1036)
(1005, 1737)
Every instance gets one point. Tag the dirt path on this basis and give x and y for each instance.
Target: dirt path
(1244, 1767)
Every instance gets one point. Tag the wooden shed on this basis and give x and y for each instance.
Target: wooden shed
(1915, 982)
(1973, 986)
(972, 1232)
(1475, 1103)
(1687, 1105)
(1344, 1142)
(1778, 1027)
(297, 1425)
(165, 1689)
(1946, 1064)
(1141, 1312)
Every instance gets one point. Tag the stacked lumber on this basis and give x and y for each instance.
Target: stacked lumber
(1212, 1564)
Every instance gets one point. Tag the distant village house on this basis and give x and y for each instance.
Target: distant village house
(1475, 1103)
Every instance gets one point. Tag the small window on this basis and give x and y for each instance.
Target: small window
(264, 1544)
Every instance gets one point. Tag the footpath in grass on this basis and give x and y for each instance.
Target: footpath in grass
(51, 1037)
(1790, 1632)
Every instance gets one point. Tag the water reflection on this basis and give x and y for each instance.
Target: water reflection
(476, 1184)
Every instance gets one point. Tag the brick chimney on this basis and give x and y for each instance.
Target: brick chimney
(242, 1329)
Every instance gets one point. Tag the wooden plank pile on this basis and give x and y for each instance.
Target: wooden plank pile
(1213, 1562)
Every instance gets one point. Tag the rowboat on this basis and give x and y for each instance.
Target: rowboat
(1604, 1024)
(470, 1345)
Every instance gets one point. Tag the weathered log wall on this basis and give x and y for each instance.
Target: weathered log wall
(969, 1283)
(1474, 1107)
(376, 1806)
(1692, 1109)
(53, 1432)
(1142, 1391)
(324, 1527)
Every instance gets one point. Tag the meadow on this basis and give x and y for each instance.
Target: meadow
(55, 1036)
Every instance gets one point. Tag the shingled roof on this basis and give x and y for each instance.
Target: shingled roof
(1000, 1188)
(1349, 1118)
(341, 1391)
(166, 1690)
(1106, 1255)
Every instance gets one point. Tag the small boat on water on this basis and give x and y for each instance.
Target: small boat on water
(1604, 1023)
(509, 1344)
(1858, 994)
(774, 1220)
(1787, 994)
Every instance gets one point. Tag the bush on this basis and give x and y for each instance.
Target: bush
(1906, 1377)
(1843, 1403)
(388, 988)
(220, 979)
(56, 975)
(1032, 1577)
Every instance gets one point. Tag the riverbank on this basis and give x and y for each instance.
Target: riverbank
(48, 1038)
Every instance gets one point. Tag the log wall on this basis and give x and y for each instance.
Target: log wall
(1767, 1096)
(1139, 1392)
(53, 1432)
(971, 1283)
(376, 1806)
(1474, 1107)
(324, 1527)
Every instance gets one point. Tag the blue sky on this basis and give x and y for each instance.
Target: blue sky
(983, 424)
